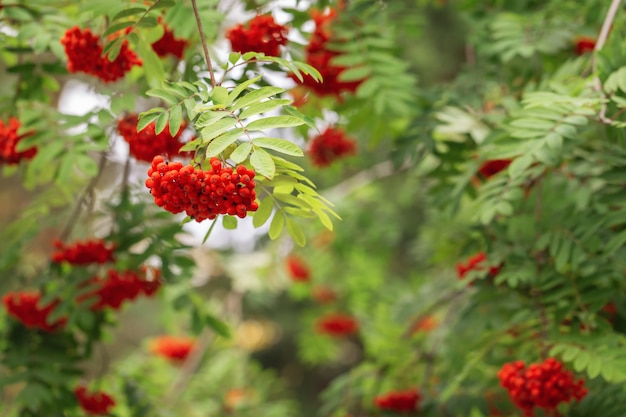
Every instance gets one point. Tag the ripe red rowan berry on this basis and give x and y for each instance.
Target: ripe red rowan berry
(263, 34)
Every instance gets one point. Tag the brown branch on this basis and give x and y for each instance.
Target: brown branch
(67, 230)
(203, 39)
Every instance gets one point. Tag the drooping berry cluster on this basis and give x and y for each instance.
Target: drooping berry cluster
(329, 146)
(97, 403)
(298, 269)
(475, 263)
(490, 168)
(8, 142)
(144, 145)
(84, 54)
(319, 56)
(169, 45)
(263, 34)
(175, 348)
(118, 287)
(398, 401)
(84, 253)
(337, 325)
(543, 385)
(584, 44)
(24, 306)
(202, 194)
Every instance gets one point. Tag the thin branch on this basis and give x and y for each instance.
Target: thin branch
(203, 39)
(67, 230)
(602, 37)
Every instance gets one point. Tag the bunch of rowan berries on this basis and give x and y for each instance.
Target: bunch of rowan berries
(329, 146)
(84, 54)
(147, 143)
(476, 263)
(337, 325)
(118, 287)
(84, 253)
(8, 142)
(169, 45)
(25, 307)
(97, 403)
(202, 194)
(398, 401)
(263, 34)
(544, 385)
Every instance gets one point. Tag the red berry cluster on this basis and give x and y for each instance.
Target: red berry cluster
(329, 146)
(298, 269)
(337, 325)
(169, 45)
(262, 35)
(490, 168)
(475, 263)
(398, 401)
(118, 287)
(97, 403)
(24, 306)
(147, 143)
(544, 385)
(202, 194)
(584, 44)
(173, 347)
(84, 253)
(9, 140)
(84, 54)
(319, 56)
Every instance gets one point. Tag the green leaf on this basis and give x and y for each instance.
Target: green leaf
(229, 222)
(274, 122)
(263, 107)
(190, 104)
(519, 165)
(222, 142)
(129, 12)
(218, 128)
(279, 145)
(263, 213)
(146, 120)
(276, 227)
(147, 22)
(208, 232)
(87, 165)
(256, 96)
(354, 74)
(116, 27)
(262, 163)
(163, 95)
(241, 87)
(176, 119)
(296, 233)
(161, 121)
(217, 325)
(219, 95)
(241, 153)
(112, 49)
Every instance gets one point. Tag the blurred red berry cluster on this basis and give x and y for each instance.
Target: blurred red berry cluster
(584, 44)
(84, 253)
(332, 144)
(84, 54)
(398, 401)
(175, 348)
(118, 287)
(544, 385)
(319, 56)
(298, 269)
(475, 263)
(263, 34)
(169, 45)
(8, 142)
(24, 306)
(145, 144)
(97, 403)
(490, 168)
(202, 194)
(337, 325)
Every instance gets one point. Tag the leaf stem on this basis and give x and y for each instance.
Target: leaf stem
(204, 45)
